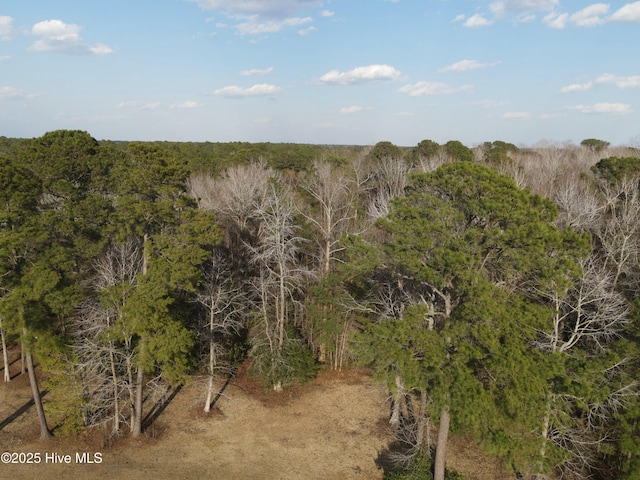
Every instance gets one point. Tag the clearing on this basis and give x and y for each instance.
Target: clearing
(333, 428)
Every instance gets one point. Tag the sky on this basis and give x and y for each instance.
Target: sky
(322, 72)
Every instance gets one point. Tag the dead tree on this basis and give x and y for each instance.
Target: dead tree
(225, 305)
(276, 254)
(104, 345)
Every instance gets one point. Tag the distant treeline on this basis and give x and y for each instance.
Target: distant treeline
(493, 290)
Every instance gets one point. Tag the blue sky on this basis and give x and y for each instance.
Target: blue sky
(324, 72)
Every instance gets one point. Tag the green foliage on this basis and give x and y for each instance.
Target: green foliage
(329, 320)
(385, 150)
(420, 468)
(470, 213)
(293, 364)
(427, 148)
(462, 233)
(594, 144)
(19, 191)
(215, 157)
(152, 207)
(63, 159)
(457, 151)
(617, 169)
(498, 152)
(65, 399)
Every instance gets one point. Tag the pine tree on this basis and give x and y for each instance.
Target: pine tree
(462, 247)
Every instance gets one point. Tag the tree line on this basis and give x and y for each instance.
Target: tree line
(494, 290)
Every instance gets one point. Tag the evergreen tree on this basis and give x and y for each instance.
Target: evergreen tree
(61, 230)
(462, 247)
(152, 205)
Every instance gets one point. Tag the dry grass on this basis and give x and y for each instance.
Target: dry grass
(332, 428)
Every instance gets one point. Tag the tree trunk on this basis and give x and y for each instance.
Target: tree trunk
(281, 313)
(22, 357)
(130, 383)
(116, 400)
(422, 435)
(441, 445)
(5, 356)
(212, 366)
(45, 434)
(546, 422)
(397, 403)
(207, 403)
(137, 410)
(136, 429)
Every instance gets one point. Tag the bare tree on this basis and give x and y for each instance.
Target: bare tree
(588, 313)
(619, 234)
(102, 364)
(429, 163)
(225, 304)
(390, 179)
(104, 345)
(281, 274)
(235, 198)
(331, 192)
(332, 214)
(234, 195)
(580, 208)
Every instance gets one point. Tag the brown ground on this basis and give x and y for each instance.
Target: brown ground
(333, 428)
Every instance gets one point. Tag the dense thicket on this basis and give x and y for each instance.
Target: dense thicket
(494, 290)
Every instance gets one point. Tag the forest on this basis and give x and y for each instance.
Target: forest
(493, 290)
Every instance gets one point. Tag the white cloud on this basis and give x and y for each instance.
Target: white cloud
(100, 49)
(370, 73)
(556, 20)
(627, 13)
(351, 110)
(306, 31)
(477, 21)
(524, 11)
(61, 37)
(459, 18)
(12, 93)
(253, 91)
(516, 115)
(603, 108)
(6, 28)
(256, 27)
(577, 87)
(4, 58)
(527, 18)
(57, 30)
(189, 104)
(276, 9)
(590, 16)
(620, 82)
(257, 71)
(422, 88)
(466, 65)
(506, 7)
(594, 15)
(327, 13)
